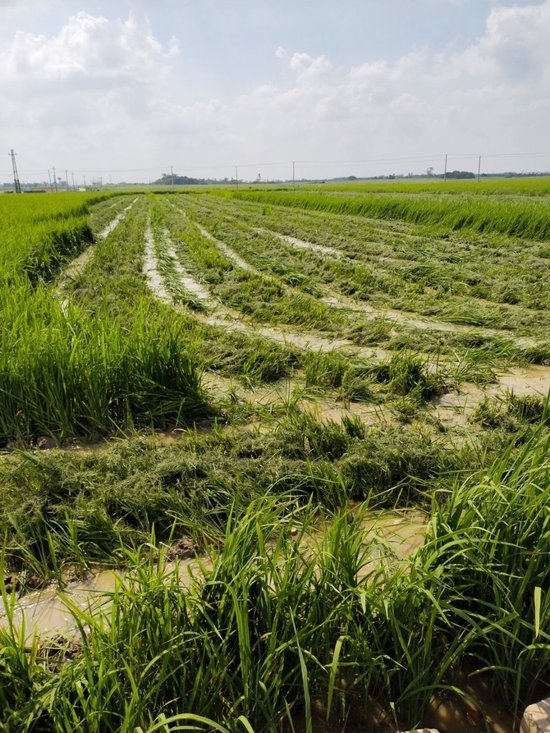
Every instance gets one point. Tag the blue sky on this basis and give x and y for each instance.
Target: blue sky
(128, 88)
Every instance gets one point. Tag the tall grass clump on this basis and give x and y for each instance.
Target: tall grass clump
(65, 373)
(297, 620)
(490, 540)
(40, 232)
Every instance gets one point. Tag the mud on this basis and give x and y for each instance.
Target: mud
(456, 408)
(47, 612)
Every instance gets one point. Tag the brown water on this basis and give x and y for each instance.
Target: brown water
(456, 408)
(47, 611)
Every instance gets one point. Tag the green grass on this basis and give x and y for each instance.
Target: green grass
(527, 219)
(68, 370)
(301, 614)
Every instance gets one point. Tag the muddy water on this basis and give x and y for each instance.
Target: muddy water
(329, 410)
(456, 408)
(47, 611)
(307, 400)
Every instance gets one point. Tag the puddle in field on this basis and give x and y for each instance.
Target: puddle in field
(47, 611)
(295, 392)
(455, 408)
(402, 532)
(527, 380)
(327, 410)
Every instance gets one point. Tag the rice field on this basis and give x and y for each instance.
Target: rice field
(275, 460)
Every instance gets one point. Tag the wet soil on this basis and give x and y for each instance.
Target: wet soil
(47, 612)
(456, 408)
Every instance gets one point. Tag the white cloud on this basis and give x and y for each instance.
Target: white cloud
(106, 90)
(87, 47)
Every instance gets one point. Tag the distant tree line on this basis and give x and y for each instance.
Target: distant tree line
(169, 179)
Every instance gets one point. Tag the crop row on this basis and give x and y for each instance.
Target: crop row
(526, 218)
(67, 370)
(359, 284)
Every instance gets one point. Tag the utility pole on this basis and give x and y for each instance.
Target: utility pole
(72, 178)
(67, 178)
(50, 179)
(445, 176)
(478, 168)
(172, 174)
(16, 181)
(237, 177)
(54, 178)
(293, 175)
(84, 181)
